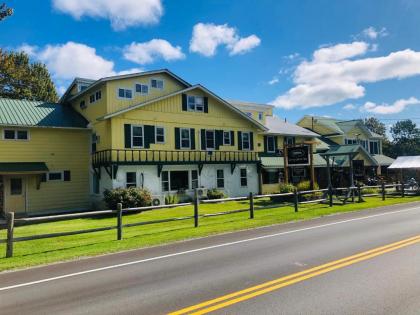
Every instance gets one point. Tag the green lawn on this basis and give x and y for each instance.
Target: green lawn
(45, 251)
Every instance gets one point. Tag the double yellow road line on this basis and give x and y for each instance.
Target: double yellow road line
(249, 293)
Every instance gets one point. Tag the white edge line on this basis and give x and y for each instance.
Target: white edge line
(199, 250)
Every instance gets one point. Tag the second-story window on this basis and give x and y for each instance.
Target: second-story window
(227, 140)
(125, 93)
(98, 95)
(271, 146)
(156, 83)
(246, 141)
(137, 136)
(210, 140)
(142, 88)
(160, 134)
(82, 104)
(195, 103)
(374, 147)
(185, 138)
(13, 134)
(260, 115)
(92, 98)
(249, 114)
(290, 140)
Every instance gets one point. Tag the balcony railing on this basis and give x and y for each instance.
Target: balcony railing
(137, 157)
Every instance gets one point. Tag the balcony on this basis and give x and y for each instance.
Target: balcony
(159, 157)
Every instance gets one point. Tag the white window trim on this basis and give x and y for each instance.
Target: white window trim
(135, 182)
(124, 98)
(214, 139)
(162, 181)
(290, 137)
(141, 93)
(230, 138)
(217, 178)
(164, 135)
(190, 180)
(190, 184)
(240, 176)
(163, 83)
(15, 131)
(55, 180)
(378, 144)
(249, 142)
(132, 136)
(195, 104)
(189, 138)
(274, 145)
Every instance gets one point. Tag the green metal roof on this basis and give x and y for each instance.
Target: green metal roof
(17, 167)
(40, 114)
(383, 160)
(344, 150)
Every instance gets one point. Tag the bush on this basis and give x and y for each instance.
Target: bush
(215, 194)
(129, 197)
(306, 185)
(370, 190)
(284, 189)
(171, 199)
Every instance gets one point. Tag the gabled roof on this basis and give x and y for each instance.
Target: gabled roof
(406, 162)
(38, 114)
(250, 105)
(278, 126)
(118, 77)
(383, 160)
(341, 152)
(197, 86)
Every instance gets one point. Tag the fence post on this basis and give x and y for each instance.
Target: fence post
(359, 192)
(383, 190)
(119, 221)
(196, 202)
(402, 190)
(10, 221)
(330, 195)
(251, 205)
(296, 199)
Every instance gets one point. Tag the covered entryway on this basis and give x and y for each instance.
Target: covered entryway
(14, 178)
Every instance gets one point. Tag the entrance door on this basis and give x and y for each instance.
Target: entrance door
(15, 194)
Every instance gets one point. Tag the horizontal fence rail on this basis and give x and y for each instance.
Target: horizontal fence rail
(293, 199)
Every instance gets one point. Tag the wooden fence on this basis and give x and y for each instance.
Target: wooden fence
(327, 197)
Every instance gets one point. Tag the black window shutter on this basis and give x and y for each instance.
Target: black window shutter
(192, 135)
(149, 136)
(177, 139)
(67, 176)
(203, 139)
(184, 102)
(219, 138)
(265, 143)
(239, 140)
(127, 135)
(232, 138)
(251, 139)
(206, 104)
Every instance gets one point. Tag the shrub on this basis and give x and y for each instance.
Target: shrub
(370, 190)
(286, 188)
(215, 194)
(171, 199)
(306, 185)
(129, 197)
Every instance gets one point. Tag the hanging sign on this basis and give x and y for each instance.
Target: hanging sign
(298, 155)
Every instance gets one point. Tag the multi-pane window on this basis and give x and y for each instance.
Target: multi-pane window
(55, 176)
(195, 103)
(179, 180)
(350, 141)
(125, 93)
(160, 134)
(220, 179)
(156, 84)
(271, 145)
(194, 179)
(243, 177)
(13, 134)
(137, 136)
(16, 186)
(142, 88)
(374, 147)
(130, 179)
(227, 138)
(98, 95)
(92, 98)
(165, 181)
(246, 141)
(210, 139)
(364, 143)
(185, 138)
(260, 115)
(290, 140)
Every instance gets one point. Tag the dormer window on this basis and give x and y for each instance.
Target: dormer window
(82, 87)
(142, 88)
(92, 98)
(125, 93)
(195, 103)
(95, 96)
(156, 83)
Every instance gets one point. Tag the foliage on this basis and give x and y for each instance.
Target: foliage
(406, 139)
(215, 194)
(370, 190)
(375, 125)
(5, 11)
(286, 188)
(171, 199)
(306, 185)
(129, 197)
(21, 79)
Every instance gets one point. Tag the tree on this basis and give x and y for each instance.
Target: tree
(406, 138)
(5, 11)
(375, 125)
(21, 79)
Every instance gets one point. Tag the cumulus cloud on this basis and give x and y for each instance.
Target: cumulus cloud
(373, 33)
(273, 81)
(349, 107)
(334, 74)
(207, 37)
(148, 52)
(30, 50)
(121, 13)
(386, 109)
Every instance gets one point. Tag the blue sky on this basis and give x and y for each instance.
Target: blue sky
(346, 59)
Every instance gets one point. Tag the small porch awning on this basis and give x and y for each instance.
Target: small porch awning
(23, 167)
(341, 154)
(406, 162)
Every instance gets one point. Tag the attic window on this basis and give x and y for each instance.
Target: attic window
(13, 134)
(195, 103)
(82, 87)
(142, 88)
(156, 84)
(125, 93)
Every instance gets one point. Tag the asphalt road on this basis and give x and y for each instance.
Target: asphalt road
(164, 279)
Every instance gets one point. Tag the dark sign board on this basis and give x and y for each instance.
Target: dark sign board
(298, 155)
(298, 172)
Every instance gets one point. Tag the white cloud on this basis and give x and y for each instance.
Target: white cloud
(28, 49)
(129, 71)
(373, 33)
(207, 37)
(121, 13)
(331, 76)
(273, 81)
(386, 109)
(349, 107)
(148, 52)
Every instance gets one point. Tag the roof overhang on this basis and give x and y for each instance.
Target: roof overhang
(406, 162)
(23, 167)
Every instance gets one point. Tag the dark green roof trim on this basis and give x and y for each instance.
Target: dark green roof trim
(16, 167)
(39, 114)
